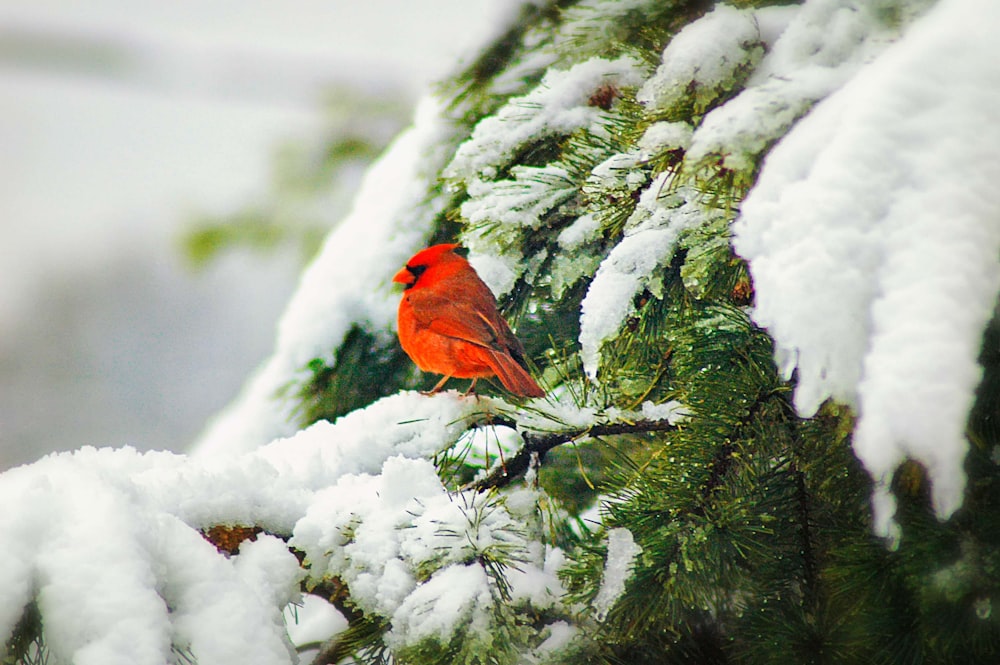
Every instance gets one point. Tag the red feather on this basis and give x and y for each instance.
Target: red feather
(449, 323)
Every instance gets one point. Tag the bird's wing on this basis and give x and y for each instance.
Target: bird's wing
(458, 318)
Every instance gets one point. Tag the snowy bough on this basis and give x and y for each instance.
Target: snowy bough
(754, 254)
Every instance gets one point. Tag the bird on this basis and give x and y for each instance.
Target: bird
(449, 324)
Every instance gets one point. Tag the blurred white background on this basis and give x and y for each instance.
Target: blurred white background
(120, 122)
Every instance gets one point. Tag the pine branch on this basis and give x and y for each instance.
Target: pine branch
(537, 444)
(809, 573)
(803, 499)
(723, 460)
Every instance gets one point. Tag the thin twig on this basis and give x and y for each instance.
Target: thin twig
(536, 443)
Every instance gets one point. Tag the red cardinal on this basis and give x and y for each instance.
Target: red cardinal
(449, 324)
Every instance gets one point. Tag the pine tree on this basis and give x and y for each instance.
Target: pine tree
(692, 489)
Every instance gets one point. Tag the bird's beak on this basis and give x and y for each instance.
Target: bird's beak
(404, 276)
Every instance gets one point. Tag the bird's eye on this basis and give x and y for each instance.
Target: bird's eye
(417, 271)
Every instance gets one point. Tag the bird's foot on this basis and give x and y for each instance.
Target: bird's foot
(437, 388)
(470, 390)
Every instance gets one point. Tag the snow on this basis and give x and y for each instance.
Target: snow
(574, 259)
(539, 586)
(117, 578)
(380, 533)
(814, 49)
(267, 567)
(872, 240)
(521, 201)
(622, 551)
(406, 423)
(455, 597)
(664, 212)
(704, 60)
(110, 539)
(500, 273)
(620, 176)
(497, 211)
(558, 106)
(651, 237)
(824, 44)
(88, 618)
(385, 227)
(213, 613)
(585, 228)
(313, 621)
(560, 635)
(664, 135)
(619, 171)
(671, 411)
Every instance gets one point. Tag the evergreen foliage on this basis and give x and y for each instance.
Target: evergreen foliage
(754, 528)
(608, 236)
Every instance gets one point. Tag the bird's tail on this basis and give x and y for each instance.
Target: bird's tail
(514, 377)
